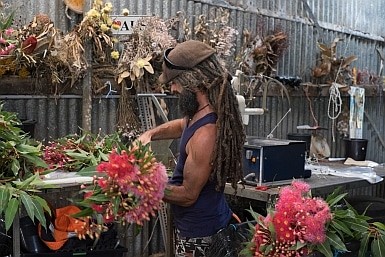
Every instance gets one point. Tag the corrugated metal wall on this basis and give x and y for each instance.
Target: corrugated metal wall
(360, 23)
(373, 129)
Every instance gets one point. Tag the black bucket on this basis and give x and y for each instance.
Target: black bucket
(300, 137)
(29, 238)
(28, 126)
(356, 148)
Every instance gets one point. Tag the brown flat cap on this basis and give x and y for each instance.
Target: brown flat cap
(184, 56)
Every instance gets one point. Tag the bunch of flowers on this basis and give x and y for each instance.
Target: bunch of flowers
(128, 188)
(298, 220)
(299, 225)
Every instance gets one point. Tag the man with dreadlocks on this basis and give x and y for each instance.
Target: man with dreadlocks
(212, 138)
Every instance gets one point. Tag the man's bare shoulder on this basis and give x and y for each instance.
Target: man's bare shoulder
(205, 135)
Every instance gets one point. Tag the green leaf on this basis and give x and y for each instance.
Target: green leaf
(137, 229)
(99, 198)
(10, 212)
(79, 156)
(38, 210)
(116, 202)
(8, 22)
(41, 202)
(379, 225)
(28, 204)
(378, 247)
(104, 157)
(357, 225)
(83, 213)
(340, 227)
(335, 199)
(324, 248)
(36, 160)
(336, 241)
(15, 166)
(87, 172)
(24, 184)
(27, 149)
(364, 245)
(4, 198)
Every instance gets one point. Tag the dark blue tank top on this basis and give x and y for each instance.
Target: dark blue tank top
(210, 212)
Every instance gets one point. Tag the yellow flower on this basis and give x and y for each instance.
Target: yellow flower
(115, 26)
(115, 55)
(109, 21)
(138, 67)
(104, 27)
(108, 7)
(114, 40)
(141, 63)
(98, 3)
(125, 12)
(105, 16)
(93, 14)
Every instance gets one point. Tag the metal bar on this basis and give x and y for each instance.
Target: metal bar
(16, 235)
(160, 109)
(54, 97)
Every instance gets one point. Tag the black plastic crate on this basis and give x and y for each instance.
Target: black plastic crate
(118, 252)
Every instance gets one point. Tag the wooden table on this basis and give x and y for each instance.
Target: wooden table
(321, 185)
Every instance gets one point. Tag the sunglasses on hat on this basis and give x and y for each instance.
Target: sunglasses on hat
(169, 63)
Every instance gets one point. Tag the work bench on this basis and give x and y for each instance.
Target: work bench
(321, 185)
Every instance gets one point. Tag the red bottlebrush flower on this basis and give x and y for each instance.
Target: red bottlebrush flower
(128, 187)
(297, 218)
(29, 45)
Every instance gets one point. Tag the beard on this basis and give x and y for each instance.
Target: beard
(188, 103)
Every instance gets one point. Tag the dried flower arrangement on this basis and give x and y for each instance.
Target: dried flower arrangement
(40, 48)
(213, 30)
(143, 51)
(333, 68)
(139, 67)
(260, 55)
(299, 224)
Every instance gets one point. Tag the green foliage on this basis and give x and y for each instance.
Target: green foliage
(81, 153)
(23, 160)
(20, 162)
(7, 22)
(19, 154)
(348, 225)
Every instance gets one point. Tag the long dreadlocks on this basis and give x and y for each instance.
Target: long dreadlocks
(213, 80)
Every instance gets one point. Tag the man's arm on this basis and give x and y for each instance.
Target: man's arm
(197, 168)
(169, 130)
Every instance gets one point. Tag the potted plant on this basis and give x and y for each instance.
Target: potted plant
(301, 225)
